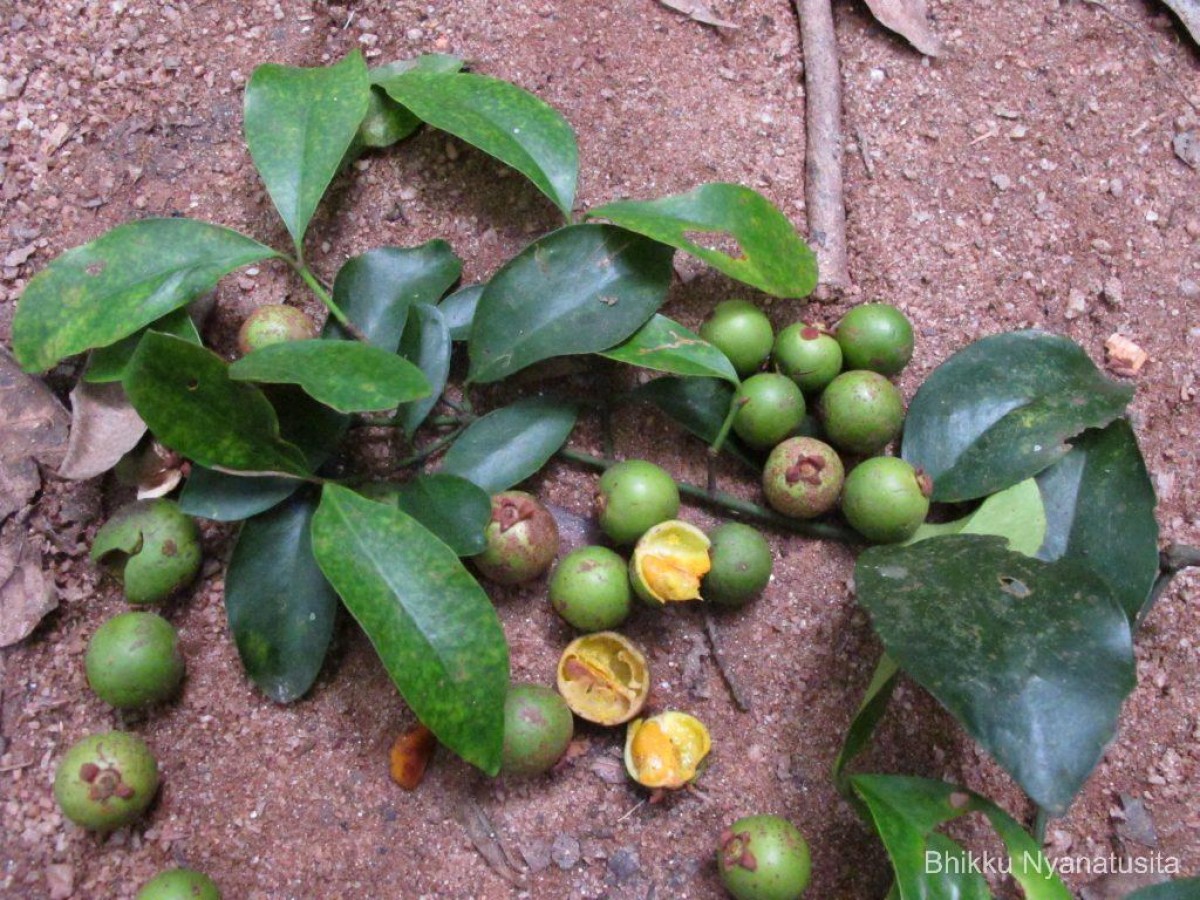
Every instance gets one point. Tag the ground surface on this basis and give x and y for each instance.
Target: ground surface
(1027, 179)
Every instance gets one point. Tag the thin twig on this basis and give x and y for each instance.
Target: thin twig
(735, 690)
(1173, 560)
(430, 449)
(823, 189)
(323, 295)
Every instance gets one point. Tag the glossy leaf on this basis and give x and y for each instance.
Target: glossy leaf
(1179, 889)
(185, 396)
(1100, 503)
(348, 376)
(426, 344)
(108, 363)
(1003, 409)
(315, 429)
(299, 124)
(1016, 514)
(500, 119)
(906, 813)
(874, 704)
(666, 346)
(454, 509)
(376, 289)
(94, 295)
(386, 121)
(281, 609)
(458, 310)
(431, 623)
(1033, 658)
(769, 254)
(509, 444)
(581, 289)
(699, 405)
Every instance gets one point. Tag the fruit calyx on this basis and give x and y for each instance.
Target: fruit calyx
(735, 851)
(512, 511)
(924, 482)
(105, 783)
(807, 469)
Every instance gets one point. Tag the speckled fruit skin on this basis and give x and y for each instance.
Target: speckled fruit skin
(876, 336)
(590, 589)
(808, 355)
(764, 858)
(106, 780)
(772, 406)
(886, 500)
(133, 660)
(862, 412)
(151, 547)
(741, 331)
(274, 323)
(537, 728)
(522, 539)
(179, 884)
(633, 497)
(741, 565)
(803, 478)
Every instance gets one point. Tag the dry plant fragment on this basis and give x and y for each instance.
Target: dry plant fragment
(410, 755)
(1124, 356)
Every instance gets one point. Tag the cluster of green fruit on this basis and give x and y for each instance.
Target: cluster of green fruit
(859, 412)
(108, 780)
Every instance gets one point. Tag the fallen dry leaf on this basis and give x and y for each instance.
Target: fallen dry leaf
(698, 11)
(908, 19)
(1189, 14)
(104, 427)
(410, 755)
(26, 595)
(33, 429)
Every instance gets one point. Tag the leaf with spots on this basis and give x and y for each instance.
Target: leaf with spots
(426, 344)
(509, 444)
(666, 346)
(431, 623)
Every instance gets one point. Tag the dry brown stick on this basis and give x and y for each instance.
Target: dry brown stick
(823, 149)
(735, 690)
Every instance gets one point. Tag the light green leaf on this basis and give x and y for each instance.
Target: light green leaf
(299, 124)
(666, 346)
(458, 309)
(94, 295)
(509, 444)
(431, 623)
(769, 254)
(426, 344)
(1016, 514)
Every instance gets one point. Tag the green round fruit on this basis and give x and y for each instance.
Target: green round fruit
(742, 332)
(522, 539)
(885, 499)
(771, 407)
(386, 121)
(634, 496)
(764, 858)
(133, 660)
(808, 355)
(590, 589)
(274, 323)
(151, 547)
(862, 412)
(803, 478)
(876, 336)
(741, 565)
(179, 884)
(106, 780)
(537, 728)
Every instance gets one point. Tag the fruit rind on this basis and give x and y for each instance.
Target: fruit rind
(151, 547)
(604, 678)
(133, 660)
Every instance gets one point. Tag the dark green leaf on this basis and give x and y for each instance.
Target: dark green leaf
(500, 119)
(581, 289)
(348, 376)
(314, 428)
(1016, 514)
(453, 508)
(508, 445)
(768, 255)
(1179, 889)
(1100, 504)
(1033, 658)
(299, 124)
(185, 396)
(376, 289)
(906, 812)
(108, 363)
(666, 346)
(426, 344)
(699, 405)
(121, 282)
(281, 609)
(874, 704)
(459, 310)
(386, 121)
(430, 622)
(1003, 409)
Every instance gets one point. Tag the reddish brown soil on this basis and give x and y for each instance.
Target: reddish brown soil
(1027, 179)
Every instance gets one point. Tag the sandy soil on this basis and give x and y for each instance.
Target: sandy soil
(1027, 179)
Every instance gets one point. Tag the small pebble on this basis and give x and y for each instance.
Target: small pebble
(624, 864)
(565, 851)
(1002, 182)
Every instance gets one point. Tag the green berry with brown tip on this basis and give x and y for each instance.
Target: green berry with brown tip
(876, 336)
(803, 478)
(179, 884)
(133, 660)
(590, 589)
(741, 331)
(808, 355)
(741, 565)
(764, 858)
(633, 497)
(522, 539)
(151, 547)
(886, 500)
(106, 780)
(770, 407)
(274, 323)
(538, 726)
(862, 412)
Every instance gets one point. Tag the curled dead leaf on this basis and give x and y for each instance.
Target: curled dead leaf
(33, 429)
(26, 594)
(698, 11)
(410, 755)
(104, 427)
(1189, 14)
(910, 20)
